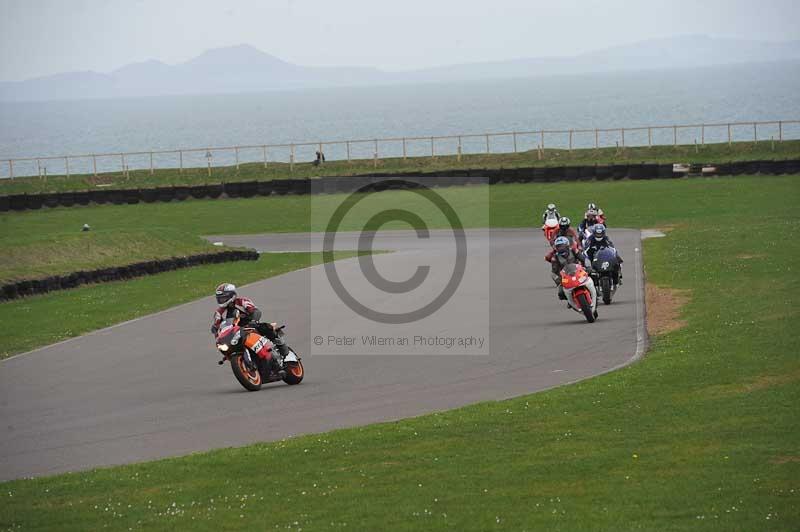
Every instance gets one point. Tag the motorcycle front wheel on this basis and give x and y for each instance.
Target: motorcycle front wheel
(248, 377)
(586, 307)
(605, 287)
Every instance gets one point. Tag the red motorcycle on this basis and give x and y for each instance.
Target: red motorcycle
(250, 356)
(550, 228)
(580, 291)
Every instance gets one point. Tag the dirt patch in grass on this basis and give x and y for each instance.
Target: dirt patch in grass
(664, 309)
(761, 382)
(785, 459)
(748, 256)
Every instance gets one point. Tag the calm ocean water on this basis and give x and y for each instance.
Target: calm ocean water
(724, 94)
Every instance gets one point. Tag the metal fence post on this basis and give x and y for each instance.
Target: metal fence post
(348, 151)
(623, 137)
(151, 163)
(570, 141)
(433, 154)
(487, 144)
(459, 149)
(514, 134)
(729, 134)
(236, 152)
(755, 132)
(264, 149)
(780, 130)
(703, 134)
(542, 135)
(39, 167)
(11, 169)
(674, 136)
(596, 139)
(404, 148)
(375, 155)
(94, 165)
(291, 159)
(122, 162)
(180, 156)
(649, 137)
(66, 165)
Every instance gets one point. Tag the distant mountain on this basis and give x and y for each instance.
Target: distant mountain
(244, 68)
(690, 51)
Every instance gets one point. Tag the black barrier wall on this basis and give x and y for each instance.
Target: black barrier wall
(139, 269)
(330, 185)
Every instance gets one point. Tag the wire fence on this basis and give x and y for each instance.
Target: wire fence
(400, 147)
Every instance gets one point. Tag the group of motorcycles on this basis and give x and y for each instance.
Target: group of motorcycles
(600, 277)
(252, 355)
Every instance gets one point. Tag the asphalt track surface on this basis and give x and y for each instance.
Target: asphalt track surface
(151, 388)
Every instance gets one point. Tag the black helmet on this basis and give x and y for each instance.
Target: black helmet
(592, 207)
(564, 222)
(225, 293)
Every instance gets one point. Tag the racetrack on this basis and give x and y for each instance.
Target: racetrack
(151, 388)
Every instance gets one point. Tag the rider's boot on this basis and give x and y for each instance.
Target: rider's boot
(278, 354)
(561, 294)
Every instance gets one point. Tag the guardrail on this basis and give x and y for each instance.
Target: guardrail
(405, 147)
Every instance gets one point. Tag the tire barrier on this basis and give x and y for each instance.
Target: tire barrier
(347, 184)
(62, 282)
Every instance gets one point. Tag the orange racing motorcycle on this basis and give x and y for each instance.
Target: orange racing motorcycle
(250, 356)
(580, 291)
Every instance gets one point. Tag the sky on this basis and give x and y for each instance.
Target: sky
(43, 37)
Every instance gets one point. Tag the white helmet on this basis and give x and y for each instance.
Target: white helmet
(225, 293)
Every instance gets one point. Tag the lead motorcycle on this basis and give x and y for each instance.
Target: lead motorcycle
(249, 354)
(605, 266)
(579, 289)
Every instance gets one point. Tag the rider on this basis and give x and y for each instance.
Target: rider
(599, 240)
(564, 254)
(565, 229)
(551, 212)
(589, 219)
(569, 233)
(249, 315)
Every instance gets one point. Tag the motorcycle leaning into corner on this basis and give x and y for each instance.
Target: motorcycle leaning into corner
(580, 291)
(250, 355)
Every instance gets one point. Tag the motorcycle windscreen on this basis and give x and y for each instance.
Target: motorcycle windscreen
(606, 255)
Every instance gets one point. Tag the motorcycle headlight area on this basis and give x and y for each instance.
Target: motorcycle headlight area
(236, 337)
(222, 347)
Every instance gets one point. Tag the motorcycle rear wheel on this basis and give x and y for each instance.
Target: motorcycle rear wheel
(605, 287)
(294, 373)
(586, 308)
(249, 378)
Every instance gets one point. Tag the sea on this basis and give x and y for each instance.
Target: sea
(739, 93)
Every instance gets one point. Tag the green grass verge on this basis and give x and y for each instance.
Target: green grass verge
(62, 250)
(70, 313)
(46, 242)
(738, 151)
(700, 435)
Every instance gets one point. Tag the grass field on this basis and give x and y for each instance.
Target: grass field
(38, 243)
(69, 313)
(738, 151)
(703, 434)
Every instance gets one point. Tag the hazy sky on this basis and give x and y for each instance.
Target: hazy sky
(40, 37)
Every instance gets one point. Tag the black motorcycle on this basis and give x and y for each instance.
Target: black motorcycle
(606, 273)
